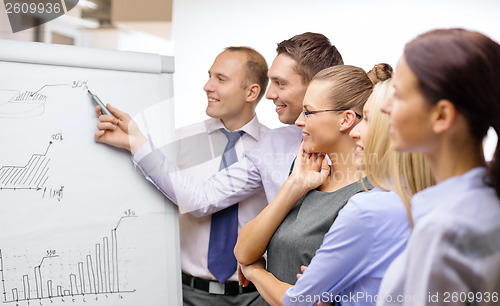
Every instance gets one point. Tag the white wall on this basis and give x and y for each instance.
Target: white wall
(127, 39)
(366, 32)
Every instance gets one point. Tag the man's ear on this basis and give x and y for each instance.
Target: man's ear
(444, 114)
(253, 91)
(348, 120)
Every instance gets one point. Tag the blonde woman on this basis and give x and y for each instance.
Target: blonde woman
(369, 232)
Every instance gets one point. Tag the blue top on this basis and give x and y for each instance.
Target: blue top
(369, 232)
(454, 250)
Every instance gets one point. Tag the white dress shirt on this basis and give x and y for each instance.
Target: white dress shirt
(266, 165)
(199, 152)
(453, 254)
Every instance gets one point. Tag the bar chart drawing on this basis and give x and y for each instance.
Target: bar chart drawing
(31, 176)
(96, 274)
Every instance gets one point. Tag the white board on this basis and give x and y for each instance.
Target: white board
(79, 225)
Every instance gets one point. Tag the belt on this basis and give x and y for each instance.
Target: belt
(214, 287)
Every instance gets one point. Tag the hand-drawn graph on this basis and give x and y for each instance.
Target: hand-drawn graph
(23, 104)
(31, 176)
(96, 274)
(26, 104)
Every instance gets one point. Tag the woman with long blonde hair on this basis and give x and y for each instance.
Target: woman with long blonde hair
(403, 173)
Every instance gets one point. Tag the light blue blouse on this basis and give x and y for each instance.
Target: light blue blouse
(369, 232)
(453, 254)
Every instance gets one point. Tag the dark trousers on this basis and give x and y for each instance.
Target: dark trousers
(195, 297)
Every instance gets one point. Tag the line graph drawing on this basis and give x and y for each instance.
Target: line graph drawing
(31, 176)
(96, 274)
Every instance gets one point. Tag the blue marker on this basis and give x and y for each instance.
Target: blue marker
(98, 101)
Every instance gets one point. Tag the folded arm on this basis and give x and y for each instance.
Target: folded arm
(269, 287)
(339, 262)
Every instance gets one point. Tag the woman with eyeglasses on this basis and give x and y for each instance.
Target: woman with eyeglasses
(291, 228)
(372, 228)
(447, 96)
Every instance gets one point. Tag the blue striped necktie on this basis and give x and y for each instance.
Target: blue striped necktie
(224, 227)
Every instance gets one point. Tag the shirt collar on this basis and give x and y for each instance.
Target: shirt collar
(425, 201)
(252, 128)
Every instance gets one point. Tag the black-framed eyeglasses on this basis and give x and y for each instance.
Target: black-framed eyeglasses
(307, 113)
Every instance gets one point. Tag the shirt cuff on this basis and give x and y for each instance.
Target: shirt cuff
(143, 151)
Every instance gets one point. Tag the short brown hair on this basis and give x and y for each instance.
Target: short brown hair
(313, 53)
(255, 68)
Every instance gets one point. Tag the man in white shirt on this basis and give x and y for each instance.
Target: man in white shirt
(267, 165)
(237, 81)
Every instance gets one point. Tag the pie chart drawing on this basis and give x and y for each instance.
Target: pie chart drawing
(21, 104)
